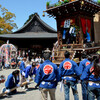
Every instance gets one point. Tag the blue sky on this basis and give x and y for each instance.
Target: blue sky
(23, 8)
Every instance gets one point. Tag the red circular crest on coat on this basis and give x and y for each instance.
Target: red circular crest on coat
(87, 63)
(91, 70)
(67, 65)
(48, 69)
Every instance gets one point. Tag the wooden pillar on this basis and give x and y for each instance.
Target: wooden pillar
(92, 30)
(59, 34)
(81, 32)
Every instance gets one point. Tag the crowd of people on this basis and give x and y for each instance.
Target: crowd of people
(13, 63)
(46, 74)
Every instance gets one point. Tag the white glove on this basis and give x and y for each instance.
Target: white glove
(23, 73)
(8, 91)
(18, 85)
(79, 81)
(0, 79)
(27, 80)
(32, 78)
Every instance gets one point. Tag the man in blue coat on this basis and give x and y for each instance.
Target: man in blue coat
(91, 74)
(68, 71)
(13, 62)
(83, 64)
(47, 77)
(12, 81)
(30, 70)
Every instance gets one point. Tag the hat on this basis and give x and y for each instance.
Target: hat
(76, 60)
(98, 52)
(24, 58)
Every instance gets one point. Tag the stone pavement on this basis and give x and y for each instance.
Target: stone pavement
(33, 94)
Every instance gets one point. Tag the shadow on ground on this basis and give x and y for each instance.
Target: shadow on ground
(10, 96)
(31, 89)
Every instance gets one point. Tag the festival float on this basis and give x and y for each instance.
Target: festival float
(75, 28)
(8, 51)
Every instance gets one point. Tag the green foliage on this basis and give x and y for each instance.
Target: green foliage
(55, 4)
(77, 29)
(59, 3)
(66, 1)
(62, 3)
(48, 3)
(6, 21)
(98, 1)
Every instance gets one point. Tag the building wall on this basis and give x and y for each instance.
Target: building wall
(97, 27)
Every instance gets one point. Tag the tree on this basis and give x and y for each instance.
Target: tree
(6, 21)
(30, 17)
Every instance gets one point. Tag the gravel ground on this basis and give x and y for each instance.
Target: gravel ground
(32, 94)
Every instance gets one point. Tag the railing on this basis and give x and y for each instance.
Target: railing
(58, 54)
(71, 46)
(81, 45)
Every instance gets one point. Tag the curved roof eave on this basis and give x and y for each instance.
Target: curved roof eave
(41, 21)
(47, 26)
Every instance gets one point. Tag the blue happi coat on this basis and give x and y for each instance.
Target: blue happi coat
(22, 67)
(88, 74)
(47, 75)
(11, 82)
(67, 69)
(83, 65)
(29, 72)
